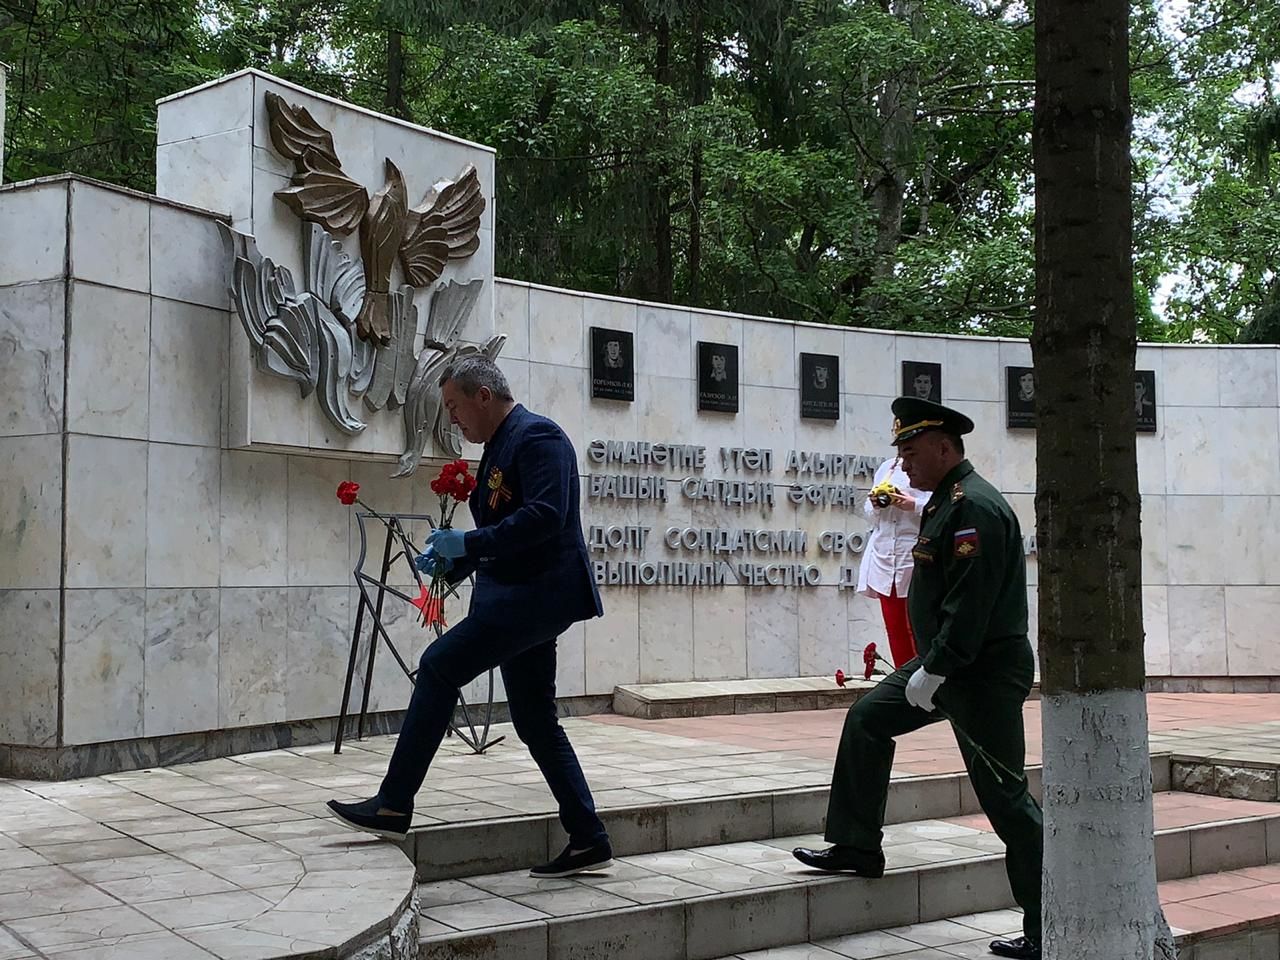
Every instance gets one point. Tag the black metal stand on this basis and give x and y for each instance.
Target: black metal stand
(397, 546)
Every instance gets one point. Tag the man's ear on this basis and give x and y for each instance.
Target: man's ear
(484, 394)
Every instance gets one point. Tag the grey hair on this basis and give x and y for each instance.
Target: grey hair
(472, 372)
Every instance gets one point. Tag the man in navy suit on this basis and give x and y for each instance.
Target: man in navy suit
(532, 581)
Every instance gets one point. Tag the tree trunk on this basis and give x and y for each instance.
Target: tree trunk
(896, 107)
(699, 97)
(1100, 898)
(395, 104)
(664, 280)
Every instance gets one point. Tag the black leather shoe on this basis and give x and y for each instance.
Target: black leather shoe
(569, 862)
(1020, 948)
(841, 859)
(364, 816)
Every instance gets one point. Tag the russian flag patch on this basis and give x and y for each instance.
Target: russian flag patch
(966, 542)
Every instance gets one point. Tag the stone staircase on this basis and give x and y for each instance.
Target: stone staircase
(698, 880)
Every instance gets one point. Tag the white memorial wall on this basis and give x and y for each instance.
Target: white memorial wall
(175, 560)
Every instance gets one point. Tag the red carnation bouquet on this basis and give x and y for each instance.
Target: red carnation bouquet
(453, 485)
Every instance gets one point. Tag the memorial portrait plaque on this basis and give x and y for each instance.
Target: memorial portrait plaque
(820, 386)
(1144, 400)
(1020, 401)
(718, 377)
(613, 369)
(922, 380)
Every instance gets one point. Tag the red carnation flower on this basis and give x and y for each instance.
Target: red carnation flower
(869, 660)
(841, 679)
(347, 491)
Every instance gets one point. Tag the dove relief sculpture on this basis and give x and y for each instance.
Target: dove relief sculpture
(345, 334)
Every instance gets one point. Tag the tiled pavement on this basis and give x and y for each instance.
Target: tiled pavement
(229, 857)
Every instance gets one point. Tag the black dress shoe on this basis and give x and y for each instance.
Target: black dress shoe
(841, 859)
(569, 862)
(364, 816)
(1020, 948)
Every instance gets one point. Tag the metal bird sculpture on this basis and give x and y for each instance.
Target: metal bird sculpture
(444, 227)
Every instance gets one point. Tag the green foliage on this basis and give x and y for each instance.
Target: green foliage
(852, 162)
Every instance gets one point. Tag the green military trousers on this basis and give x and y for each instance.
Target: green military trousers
(986, 703)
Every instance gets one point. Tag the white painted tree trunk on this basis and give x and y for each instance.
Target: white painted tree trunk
(1100, 898)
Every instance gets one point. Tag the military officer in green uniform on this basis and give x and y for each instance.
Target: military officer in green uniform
(968, 609)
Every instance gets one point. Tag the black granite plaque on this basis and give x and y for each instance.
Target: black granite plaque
(613, 368)
(820, 386)
(1144, 400)
(1020, 403)
(718, 377)
(922, 380)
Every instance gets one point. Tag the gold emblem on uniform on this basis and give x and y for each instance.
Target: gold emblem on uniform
(957, 493)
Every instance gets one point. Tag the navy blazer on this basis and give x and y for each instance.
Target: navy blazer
(527, 549)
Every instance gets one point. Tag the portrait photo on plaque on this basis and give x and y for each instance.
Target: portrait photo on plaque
(922, 380)
(1020, 407)
(718, 377)
(613, 368)
(1144, 400)
(820, 386)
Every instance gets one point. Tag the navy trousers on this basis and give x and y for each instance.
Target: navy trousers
(526, 652)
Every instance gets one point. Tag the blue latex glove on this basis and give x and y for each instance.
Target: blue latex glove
(449, 544)
(431, 563)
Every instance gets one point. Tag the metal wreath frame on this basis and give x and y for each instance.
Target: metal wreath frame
(396, 537)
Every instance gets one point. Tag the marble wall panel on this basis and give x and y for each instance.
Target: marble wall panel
(557, 334)
(823, 630)
(103, 665)
(773, 631)
(1190, 377)
(213, 172)
(1197, 549)
(318, 639)
(719, 633)
(29, 642)
(31, 512)
(1246, 377)
(664, 345)
(870, 366)
(106, 532)
(32, 357)
(180, 662)
(225, 104)
(319, 527)
(1155, 624)
(253, 519)
(1197, 631)
(33, 245)
(183, 516)
(775, 356)
(1248, 448)
(972, 371)
(188, 259)
(511, 318)
(188, 366)
(613, 642)
(108, 361)
(110, 237)
(252, 652)
(1252, 614)
(666, 632)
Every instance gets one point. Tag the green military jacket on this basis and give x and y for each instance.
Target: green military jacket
(969, 585)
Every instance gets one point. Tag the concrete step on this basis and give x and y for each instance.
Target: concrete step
(1251, 932)
(706, 698)
(709, 901)
(455, 850)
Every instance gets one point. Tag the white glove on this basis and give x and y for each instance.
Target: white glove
(921, 687)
